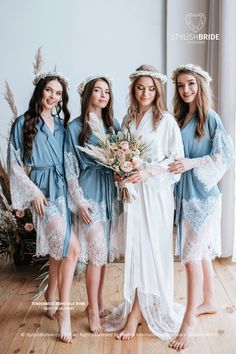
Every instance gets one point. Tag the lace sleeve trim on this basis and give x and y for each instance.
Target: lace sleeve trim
(211, 168)
(75, 196)
(23, 190)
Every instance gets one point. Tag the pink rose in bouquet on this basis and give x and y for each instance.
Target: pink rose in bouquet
(137, 162)
(121, 152)
(127, 167)
(124, 145)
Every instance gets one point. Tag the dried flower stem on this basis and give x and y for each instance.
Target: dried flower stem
(37, 65)
(9, 97)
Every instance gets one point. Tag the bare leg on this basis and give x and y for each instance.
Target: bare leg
(132, 322)
(51, 292)
(208, 306)
(194, 289)
(93, 276)
(66, 272)
(102, 312)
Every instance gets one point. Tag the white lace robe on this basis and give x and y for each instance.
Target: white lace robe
(149, 234)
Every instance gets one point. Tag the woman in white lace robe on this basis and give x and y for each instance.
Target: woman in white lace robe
(148, 272)
(36, 146)
(92, 191)
(208, 154)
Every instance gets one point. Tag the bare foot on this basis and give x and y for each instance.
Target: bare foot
(51, 308)
(130, 328)
(206, 309)
(94, 321)
(63, 319)
(181, 342)
(102, 312)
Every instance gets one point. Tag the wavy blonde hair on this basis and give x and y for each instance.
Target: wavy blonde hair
(203, 103)
(158, 105)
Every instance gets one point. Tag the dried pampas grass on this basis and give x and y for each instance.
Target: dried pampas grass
(5, 195)
(37, 65)
(9, 97)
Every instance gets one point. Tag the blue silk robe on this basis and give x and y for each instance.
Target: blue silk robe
(45, 175)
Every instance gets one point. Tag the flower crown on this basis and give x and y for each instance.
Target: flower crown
(154, 74)
(51, 74)
(90, 78)
(195, 68)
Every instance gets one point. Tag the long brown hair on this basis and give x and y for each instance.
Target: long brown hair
(107, 112)
(203, 103)
(158, 105)
(36, 108)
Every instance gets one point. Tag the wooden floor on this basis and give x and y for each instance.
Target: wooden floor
(24, 329)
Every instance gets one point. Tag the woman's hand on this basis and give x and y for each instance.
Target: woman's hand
(180, 165)
(136, 177)
(84, 214)
(39, 203)
(118, 178)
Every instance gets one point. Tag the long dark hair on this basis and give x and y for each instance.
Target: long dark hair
(203, 103)
(36, 108)
(107, 112)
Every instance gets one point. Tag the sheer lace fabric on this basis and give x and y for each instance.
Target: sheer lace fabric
(211, 168)
(99, 241)
(51, 228)
(198, 212)
(148, 228)
(163, 321)
(201, 234)
(23, 190)
(75, 195)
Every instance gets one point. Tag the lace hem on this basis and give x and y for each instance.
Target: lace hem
(51, 229)
(195, 253)
(163, 321)
(99, 240)
(206, 243)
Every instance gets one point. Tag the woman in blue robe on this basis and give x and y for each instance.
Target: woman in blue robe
(35, 160)
(92, 192)
(208, 154)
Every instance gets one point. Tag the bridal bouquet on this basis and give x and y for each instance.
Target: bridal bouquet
(121, 152)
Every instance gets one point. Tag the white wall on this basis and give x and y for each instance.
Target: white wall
(181, 51)
(82, 38)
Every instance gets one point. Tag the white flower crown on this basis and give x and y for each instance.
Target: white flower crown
(195, 68)
(155, 74)
(51, 74)
(90, 78)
